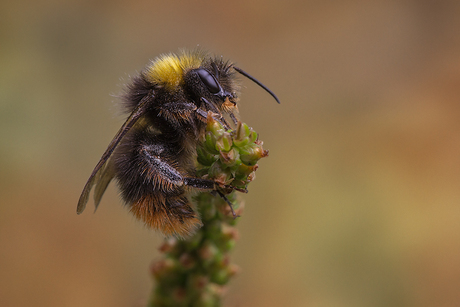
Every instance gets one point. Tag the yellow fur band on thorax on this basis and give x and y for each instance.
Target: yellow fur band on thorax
(168, 70)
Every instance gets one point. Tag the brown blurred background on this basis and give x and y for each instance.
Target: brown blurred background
(358, 204)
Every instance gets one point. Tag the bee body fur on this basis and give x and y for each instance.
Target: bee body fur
(153, 155)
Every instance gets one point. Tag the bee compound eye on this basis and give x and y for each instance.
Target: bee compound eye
(209, 81)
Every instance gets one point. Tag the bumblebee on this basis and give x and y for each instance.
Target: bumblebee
(153, 154)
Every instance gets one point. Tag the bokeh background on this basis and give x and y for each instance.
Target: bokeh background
(358, 204)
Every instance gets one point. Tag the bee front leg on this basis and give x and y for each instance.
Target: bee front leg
(177, 112)
(203, 115)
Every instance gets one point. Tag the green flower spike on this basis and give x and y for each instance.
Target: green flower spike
(194, 271)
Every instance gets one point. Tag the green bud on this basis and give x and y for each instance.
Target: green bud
(231, 158)
(214, 230)
(199, 281)
(251, 177)
(206, 299)
(242, 131)
(239, 183)
(210, 143)
(251, 154)
(244, 170)
(224, 142)
(220, 277)
(187, 262)
(241, 143)
(219, 174)
(228, 245)
(208, 253)
(163, 268)
(204, 157)
(214, 126)
(194, 242)
(168, 246)
(208, 213)
(252, 136)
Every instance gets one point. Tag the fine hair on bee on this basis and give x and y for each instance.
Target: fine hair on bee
(152, 157)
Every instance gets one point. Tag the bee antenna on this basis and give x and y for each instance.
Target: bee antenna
(256, 82)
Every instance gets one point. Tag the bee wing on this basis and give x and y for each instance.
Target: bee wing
(105, 175)
(103, 172)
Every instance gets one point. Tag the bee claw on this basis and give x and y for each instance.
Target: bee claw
(228, 203)
(237, 189)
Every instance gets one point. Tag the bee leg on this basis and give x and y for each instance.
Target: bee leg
(233, 117)
(227, 201)
(203, 184)
(204, 116)
(210, 184)
(178, 107)
(216, 111)
(165, 171)
(160, 168)
(168, 173)
(176, 112)
(206, 184)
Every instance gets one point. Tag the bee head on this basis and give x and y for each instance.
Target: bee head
(208, 84)
(212, 85)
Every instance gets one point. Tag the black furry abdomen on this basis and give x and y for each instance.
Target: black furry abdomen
(150, 168)
(150, 163)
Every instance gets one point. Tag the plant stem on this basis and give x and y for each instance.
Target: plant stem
(195, 270)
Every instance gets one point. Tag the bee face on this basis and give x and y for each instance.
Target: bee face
(216, 87)
(151, 156)
(208, 80)
(212, 84)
